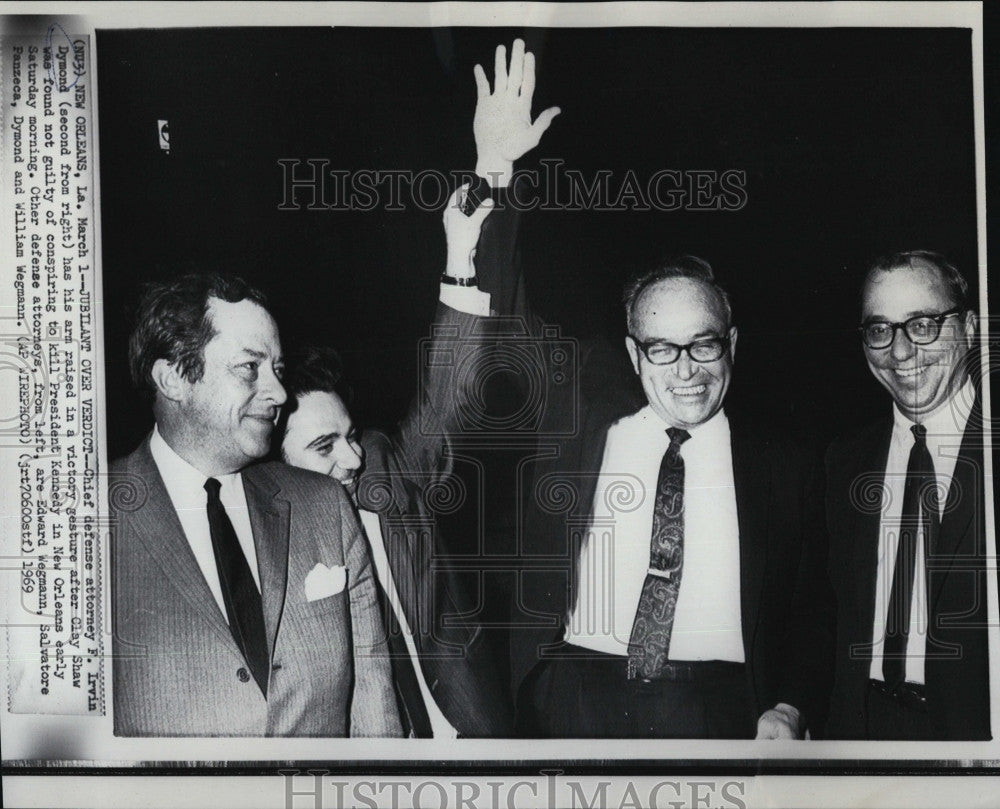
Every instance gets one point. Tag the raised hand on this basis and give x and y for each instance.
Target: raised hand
(502, 124)
(462, 233)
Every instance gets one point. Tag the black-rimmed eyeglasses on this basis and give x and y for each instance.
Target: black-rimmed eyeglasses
(660, 352)
(922, 329)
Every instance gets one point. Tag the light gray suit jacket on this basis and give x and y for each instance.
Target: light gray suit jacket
(177, 669)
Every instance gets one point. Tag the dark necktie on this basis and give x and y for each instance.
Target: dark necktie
(654, 619)
(920, 507)
(239, 592)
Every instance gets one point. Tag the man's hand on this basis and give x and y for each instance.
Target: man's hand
(502, 125)
(783, 721)
(462, 233)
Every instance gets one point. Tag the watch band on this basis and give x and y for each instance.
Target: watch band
(456, 281)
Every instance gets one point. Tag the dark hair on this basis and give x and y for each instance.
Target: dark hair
(958, 287)
(309, 369)
(679, 267)
(172, 323)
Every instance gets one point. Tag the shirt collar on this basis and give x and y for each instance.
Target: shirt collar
(177, 473)
(716, 428)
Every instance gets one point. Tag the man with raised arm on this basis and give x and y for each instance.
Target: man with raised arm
(667, 549)
(446, 678)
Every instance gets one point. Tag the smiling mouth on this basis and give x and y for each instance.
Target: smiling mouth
(910, 373)
(691, 390)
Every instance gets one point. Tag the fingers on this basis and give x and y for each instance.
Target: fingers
(500, 70)
(476, 220)
(775, 725)
(544, 120)
(516, 66)
(482, 85)
(454, 203)
(771, 730)
(528, 80)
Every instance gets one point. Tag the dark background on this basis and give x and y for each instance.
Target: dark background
(855, 142)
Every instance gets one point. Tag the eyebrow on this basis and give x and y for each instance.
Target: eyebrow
(330, 437)
(908, 316)
(260, 355)
(699, 336)
(322, 439)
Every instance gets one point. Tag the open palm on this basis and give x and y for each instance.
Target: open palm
(502, 124)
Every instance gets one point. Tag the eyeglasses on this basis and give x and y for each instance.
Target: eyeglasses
(922, 329)
(660, 352)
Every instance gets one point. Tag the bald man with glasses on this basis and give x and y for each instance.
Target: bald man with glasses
(906, 514)
(671, 596)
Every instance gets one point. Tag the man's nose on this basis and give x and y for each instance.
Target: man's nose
(902, 347)
(350, 456)
(684, 368)
(270, 387)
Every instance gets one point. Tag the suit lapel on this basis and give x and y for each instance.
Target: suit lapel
(964, 500)
(865, 484)
(269, 519)
(752, 478)
(159, 529)
(590, 455)
(407, 542)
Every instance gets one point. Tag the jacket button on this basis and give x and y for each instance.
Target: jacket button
(244, 675)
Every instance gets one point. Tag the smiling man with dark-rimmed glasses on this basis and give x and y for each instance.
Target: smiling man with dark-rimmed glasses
(909, 567)
(690, 612)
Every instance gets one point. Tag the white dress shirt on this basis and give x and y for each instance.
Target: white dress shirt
(945, 428)
(616, 550)
(440, 727)
(471, 300)
(186, 488)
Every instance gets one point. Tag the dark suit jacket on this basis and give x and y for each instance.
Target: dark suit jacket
(957, 673)
(786, 631)
(177, 669)
(779, 507)
(406, 477)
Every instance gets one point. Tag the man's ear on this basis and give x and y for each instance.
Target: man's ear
(168, 380)
(732, 343)
(969, 328)
(632, 347)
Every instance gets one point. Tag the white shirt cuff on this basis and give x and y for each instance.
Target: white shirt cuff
(471, 300)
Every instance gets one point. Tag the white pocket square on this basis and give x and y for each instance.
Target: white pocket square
(323, 581)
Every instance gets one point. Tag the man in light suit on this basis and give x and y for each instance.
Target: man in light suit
(243, 596)
(906, 514)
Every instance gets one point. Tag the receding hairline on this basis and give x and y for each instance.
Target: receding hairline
(709, 290)
(214, 304)
(876, 273)
(955, 284)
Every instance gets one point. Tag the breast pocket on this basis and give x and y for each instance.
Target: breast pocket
(337, 603)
